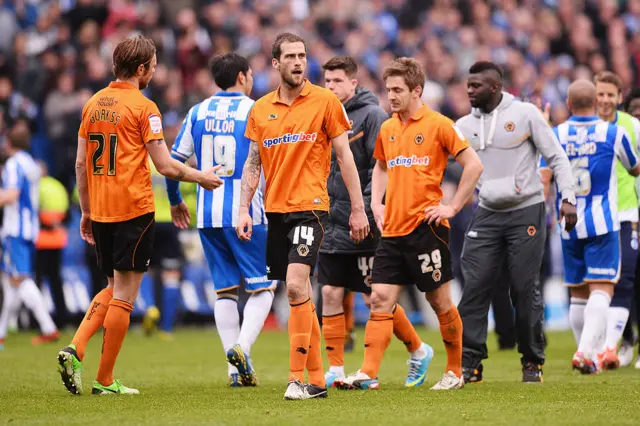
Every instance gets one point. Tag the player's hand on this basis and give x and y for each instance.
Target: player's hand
(210, 180)
(244, 227)
(439, 213)
(359, 224)
(378, 215)
(180, 216)
(85, 229)
(546, 111)
(569, 214)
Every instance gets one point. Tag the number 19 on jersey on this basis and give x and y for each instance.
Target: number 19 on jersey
(219, 150)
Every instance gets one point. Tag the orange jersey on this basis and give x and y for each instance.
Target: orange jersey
(416, 156)
(117, 122)
(295, 147)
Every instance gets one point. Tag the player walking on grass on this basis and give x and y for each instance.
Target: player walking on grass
(20, 227)
(343, 264)
(120, 128)
(214, 131)
(292, 129)
(609, 96)
(411, 152)
(591, 251)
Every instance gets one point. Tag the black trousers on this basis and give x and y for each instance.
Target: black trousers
(500, 296)
(49, 266)
(493, 238)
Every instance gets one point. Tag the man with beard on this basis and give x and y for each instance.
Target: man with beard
(120, 129)
(509, 136)
(292, 129)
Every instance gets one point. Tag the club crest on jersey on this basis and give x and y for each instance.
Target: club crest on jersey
(531, 231)
(437, 275)
(509, 126)
(303, 250)
(273, 117)
(419, 139)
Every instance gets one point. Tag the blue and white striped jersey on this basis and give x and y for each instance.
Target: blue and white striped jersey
(593, 147)
(213, 131)
(20, 220)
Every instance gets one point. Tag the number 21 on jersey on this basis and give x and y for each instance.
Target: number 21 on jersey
(219, 150)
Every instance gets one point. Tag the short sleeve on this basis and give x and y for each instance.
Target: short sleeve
(452, 138)
(151, 123)
(183, 146)
(624, 149)
(378, 151)
(10, 178)
(336, 121)
(251, 131)
(82, 131)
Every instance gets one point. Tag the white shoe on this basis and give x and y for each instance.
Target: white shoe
(625, 354)
(295, 391)
(449, 381)
(638, 363)
(358, 381)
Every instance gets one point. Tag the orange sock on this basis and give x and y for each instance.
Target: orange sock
(314, 360)
(451, 330)
(347, 306)
(116, 324)
(300, 325)
(334, 329)
(92, 321)
(377, 336)
(404, 330)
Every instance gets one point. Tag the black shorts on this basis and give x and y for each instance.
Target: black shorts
(124, 246)
(293, 238)
(421, 258)
(350, 271)
(167, 249)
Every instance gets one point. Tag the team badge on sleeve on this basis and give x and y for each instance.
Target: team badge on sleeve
(155, 124)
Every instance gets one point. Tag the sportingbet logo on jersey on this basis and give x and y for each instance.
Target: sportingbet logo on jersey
(414, 160)
(290, 138)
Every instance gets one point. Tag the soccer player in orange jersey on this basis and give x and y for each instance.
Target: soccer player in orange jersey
(292, 130)
(120, 129)
(412, 151)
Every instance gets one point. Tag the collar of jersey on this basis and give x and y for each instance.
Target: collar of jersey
(305, 91)
(121, 85)
(230, 94)
(584, 118)
(418, 115)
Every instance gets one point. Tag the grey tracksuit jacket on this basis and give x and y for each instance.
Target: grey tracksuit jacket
(509, 141)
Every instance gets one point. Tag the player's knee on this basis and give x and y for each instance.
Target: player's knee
(297, 292)
(366, 298)
(602, 286)
(332, 296)
(581, 292)
(15, 281)
(381, 301)
(440, 299)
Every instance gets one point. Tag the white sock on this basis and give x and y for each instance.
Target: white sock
(576, 316)
(595, 323)
(255, 313)
(338, 369)
(34, 300)
(616, 321)
(419, 353)
(228, 325)
(10, 306)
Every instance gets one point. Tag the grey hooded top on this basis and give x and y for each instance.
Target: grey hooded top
(509, 141)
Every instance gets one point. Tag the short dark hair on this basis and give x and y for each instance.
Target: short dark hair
(635, 94)
(609, 78)
(276, 49)
(482, 66)
(20, 138)
(407, 68)
(130, 53)
(225, 69)
(344, 63)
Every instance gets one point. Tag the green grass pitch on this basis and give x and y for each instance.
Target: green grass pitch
(184, 382)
